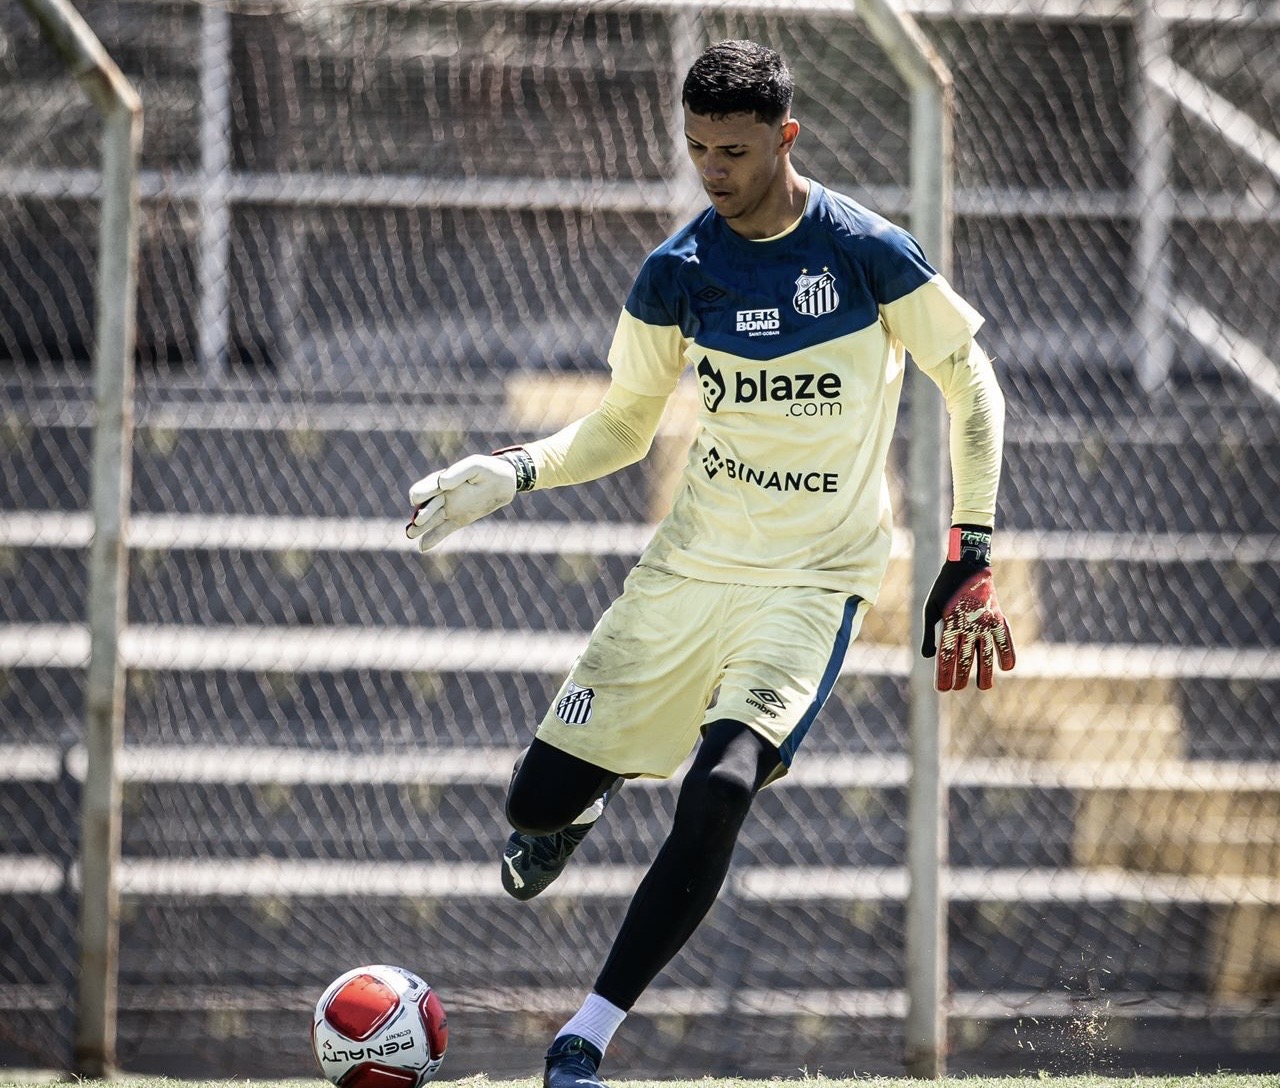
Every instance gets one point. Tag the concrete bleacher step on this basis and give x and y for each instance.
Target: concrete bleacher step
(1182, 829)
(203, 802)
(275, 467)
(397, 586)
(426, 819)
(458, 685)
(292, 463)
(210, 570)
(846, 940)
(1246, 948)
(348, 710)
(680, 1033)
(1099, 454)
(1064, 719)
(353, 709)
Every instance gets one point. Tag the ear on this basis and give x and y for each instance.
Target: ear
(790, 132)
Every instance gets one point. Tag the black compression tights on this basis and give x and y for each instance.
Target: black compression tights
(550, 788)
(685, 878)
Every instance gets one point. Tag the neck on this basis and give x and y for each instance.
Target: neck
(782, 208)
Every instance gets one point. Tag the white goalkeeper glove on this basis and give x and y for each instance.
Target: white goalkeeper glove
(456, 496)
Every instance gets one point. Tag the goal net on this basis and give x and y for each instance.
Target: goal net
(378, 236)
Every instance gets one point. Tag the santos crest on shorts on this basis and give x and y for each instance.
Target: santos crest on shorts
(797, 344)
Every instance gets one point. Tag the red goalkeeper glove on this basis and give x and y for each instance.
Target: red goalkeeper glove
(963, 600)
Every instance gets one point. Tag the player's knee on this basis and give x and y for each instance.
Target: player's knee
(532, 815)
(716, 795)
(523, 805)
(550, 790)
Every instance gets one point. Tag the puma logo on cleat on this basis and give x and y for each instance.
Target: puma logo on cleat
(509, 860)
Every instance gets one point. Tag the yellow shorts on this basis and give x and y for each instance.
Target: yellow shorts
(672, 655)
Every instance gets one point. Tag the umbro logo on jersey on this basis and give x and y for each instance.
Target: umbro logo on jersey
(768, 695)
(816, 295)
(574, 707)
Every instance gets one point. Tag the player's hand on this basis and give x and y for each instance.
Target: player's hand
(456, 496)
(963, 600)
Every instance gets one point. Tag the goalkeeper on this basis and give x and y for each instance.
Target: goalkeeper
(795, 307)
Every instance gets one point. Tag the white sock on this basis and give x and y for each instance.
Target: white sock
(596, 1021)
(591, 813)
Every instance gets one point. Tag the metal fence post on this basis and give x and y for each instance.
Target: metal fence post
(1153, 201)
(925, 1029)
(115, 293)
(215, 211)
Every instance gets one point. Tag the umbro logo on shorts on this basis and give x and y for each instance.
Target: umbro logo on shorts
(767, 700)
(574, 707)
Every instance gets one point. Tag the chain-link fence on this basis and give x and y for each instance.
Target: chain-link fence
(376, 236)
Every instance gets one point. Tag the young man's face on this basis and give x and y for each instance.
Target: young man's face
(741, 160)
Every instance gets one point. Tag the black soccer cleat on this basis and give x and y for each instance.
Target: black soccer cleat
(531, 862)
(572, 1062)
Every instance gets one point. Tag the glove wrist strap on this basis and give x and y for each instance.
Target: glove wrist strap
(522, 461)
(969, 544)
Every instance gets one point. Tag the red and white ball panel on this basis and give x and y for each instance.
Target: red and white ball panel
(379, 1027)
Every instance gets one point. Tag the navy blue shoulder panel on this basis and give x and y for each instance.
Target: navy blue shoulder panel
(894, 262)
(657, 296)
(760, 300)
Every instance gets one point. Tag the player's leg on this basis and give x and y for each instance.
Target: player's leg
(780, 653)
(553, 802)
(731, 765)
(632, 705)
(550, 788)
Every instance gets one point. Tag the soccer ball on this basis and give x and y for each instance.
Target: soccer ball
(379, 1027)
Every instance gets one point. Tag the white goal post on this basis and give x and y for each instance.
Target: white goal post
(115, 289)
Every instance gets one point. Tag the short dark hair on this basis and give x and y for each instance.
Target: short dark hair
(739, 77)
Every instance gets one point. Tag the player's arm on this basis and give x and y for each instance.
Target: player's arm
(645, 358)
(618, 433)
(963, 598)
(937, 327)
(975, 407)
